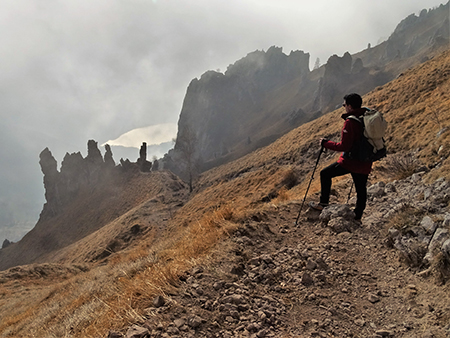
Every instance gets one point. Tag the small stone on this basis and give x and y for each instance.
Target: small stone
(307, 280)
(446, 222)
(373, 298)
(137, 332)
(171, 330)
(311, 297)
(428, 224)
(230, 319)
(262, 333)
(195, 321)
(360, 322)
(311, 265)
(234, 299)
(158, 301)
(253, 327)
(384, 333)
(376, 190)
(446, 249)
(218, 285)
(179, 322)
(238, 269)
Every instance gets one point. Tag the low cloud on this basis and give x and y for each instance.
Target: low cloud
(152, 135)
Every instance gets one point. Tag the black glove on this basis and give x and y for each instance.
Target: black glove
(323, 141)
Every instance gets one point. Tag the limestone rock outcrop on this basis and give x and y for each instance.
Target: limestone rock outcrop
(229, 104)
(144, 165)
(76, 173)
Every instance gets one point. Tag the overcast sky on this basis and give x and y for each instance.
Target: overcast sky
(96, 69)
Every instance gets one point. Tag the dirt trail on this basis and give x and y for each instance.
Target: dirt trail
(273, 279)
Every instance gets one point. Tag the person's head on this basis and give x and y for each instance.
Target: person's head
(352, 101)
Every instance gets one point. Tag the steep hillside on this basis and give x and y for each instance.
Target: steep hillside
(230, 263)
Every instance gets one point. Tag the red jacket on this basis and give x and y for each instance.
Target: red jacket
(351, 132)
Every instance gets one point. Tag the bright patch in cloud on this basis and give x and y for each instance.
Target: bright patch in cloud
(156, 134)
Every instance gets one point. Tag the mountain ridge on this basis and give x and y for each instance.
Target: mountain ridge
(297, 95)
(229, 256)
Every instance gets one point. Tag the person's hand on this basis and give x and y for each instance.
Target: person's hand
(322, 141)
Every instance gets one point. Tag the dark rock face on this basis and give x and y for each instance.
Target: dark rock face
(144, 165)
(108, 158)
(403, 43)
(337, 73)
(6, 243)
(51, 181)
(227, 104)
(76, 173)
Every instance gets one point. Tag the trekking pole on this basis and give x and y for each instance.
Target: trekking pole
(351, 188)
(307, 189)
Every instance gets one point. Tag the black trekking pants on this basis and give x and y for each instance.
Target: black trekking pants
(360, 180)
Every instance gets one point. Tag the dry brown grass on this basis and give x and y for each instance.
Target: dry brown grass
(405, 218)
(283, 195)
(400, 166)
(440, 266)
(116, 295)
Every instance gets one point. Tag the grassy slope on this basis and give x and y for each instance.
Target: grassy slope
(115, 293)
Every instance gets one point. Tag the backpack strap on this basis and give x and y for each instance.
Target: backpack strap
(353, 117)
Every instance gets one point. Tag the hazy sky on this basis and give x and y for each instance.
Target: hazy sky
(78, 70)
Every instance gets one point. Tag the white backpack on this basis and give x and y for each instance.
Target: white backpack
(372, 146)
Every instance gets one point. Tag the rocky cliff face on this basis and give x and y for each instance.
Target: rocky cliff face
(78, 173)
(223, 107)
(431, 29)
(85, 195)
(266, 94)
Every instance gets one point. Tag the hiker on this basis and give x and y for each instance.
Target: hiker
(351, 134)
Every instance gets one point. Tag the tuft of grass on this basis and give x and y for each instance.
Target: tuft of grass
(441, 268)
(399, 167)
(283, 195)
(406, 217)
(290, 179)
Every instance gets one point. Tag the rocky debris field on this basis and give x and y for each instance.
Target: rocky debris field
(327, 277)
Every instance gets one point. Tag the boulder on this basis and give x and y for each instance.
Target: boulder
(377, 189)
(446, 249)
(437, 242)
(137, 331)
(335, 211)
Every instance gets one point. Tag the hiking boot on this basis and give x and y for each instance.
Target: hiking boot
(317, 206)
